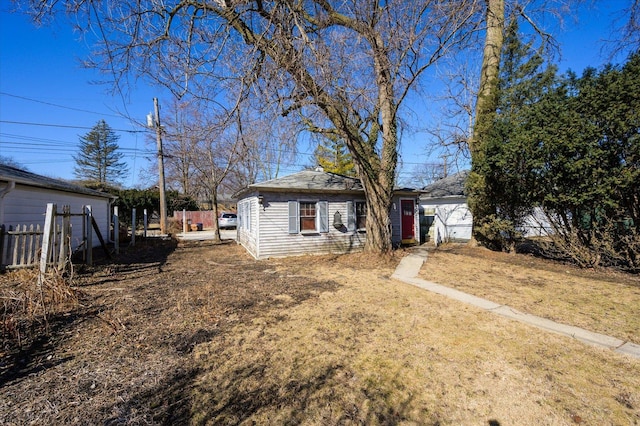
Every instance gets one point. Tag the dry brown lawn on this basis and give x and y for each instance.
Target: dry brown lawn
(604, 301)
(203, 334)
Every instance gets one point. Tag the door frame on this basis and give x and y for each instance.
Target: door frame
(412, 240)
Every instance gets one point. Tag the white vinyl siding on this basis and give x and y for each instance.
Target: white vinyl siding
(26, 205)
(247, 230)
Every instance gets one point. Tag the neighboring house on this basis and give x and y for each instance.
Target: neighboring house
(446, 215)
(24, 197)
(313, 211)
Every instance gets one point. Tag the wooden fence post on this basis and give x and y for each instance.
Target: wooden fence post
(184, 221)
(144, 222)
(2, 234)
(65, 236)
(49, 224)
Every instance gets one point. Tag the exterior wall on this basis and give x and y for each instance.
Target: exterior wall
(247, 230)
(27, 205)
(452, 219)
(270, 236)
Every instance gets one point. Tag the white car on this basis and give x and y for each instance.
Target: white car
(227, 220)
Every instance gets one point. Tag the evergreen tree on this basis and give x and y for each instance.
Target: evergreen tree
(333, 156)
(570, 146)
(590, 134)
(99, 162)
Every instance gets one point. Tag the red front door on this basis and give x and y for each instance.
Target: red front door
(408, 220)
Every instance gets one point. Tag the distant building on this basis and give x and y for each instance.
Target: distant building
(446, 215)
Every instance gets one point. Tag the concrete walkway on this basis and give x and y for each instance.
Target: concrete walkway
(207, 234)
(409, 267)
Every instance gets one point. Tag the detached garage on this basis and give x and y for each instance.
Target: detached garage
(446, 216)
(24, 197)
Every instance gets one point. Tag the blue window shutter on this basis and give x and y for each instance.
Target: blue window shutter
(351, 216)
(293, 217)
(323, 216)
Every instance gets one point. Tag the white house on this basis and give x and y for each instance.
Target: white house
(24, 197)
(315, 212)
(446, 214)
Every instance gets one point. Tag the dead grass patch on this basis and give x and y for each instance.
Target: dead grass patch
(27, 304)
(379, 352)
(604, 301)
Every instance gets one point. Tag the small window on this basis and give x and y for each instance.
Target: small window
(307, 216)
(361, 215)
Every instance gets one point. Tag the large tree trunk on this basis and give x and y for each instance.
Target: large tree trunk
(487, 95)
(378, 196)
(486, 106)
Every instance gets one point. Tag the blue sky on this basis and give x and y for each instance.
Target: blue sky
(48, 100)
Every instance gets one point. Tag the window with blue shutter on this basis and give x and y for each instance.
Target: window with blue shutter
(351, 217)
(293, 217)
(323, 216)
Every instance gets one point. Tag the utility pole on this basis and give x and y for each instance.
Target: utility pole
(163, 200)
(444, 164)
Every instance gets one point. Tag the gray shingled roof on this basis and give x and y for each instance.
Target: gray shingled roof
(8, 173)
(312, 181)
(451, 186)
(309, 180)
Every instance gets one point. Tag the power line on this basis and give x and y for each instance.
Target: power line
(34, 142)
(58, 106)
(66, 126)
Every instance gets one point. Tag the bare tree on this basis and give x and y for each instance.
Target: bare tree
(179, 148)
(268, 145)
(342, 67)
(427, 173)
(205, 148)
(626, 29)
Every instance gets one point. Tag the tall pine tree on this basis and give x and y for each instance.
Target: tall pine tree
(333, 156)
(99, 163)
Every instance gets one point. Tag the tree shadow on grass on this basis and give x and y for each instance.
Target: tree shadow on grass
(168, 403)
(38, 353)
(329, 395)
